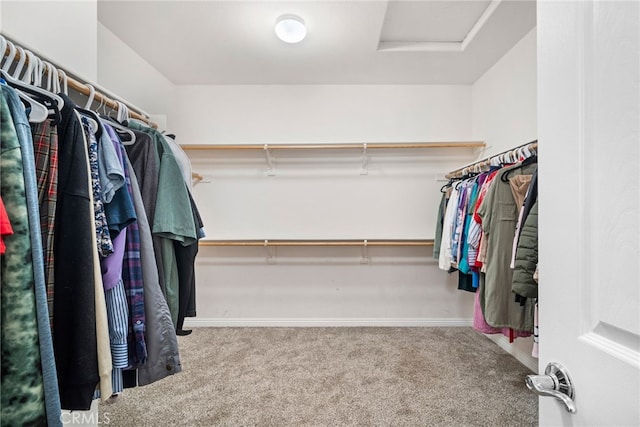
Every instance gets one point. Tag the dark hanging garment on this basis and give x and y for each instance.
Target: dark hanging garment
(526, 262)
(439, 224)
(173, 219)
(145, 161)
(74, 315)
(163, 358)
(186, 258)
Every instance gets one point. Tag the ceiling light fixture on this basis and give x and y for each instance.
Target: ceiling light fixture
(290, 29)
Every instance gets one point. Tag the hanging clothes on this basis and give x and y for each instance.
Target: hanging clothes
(185, 258)
(22, 379)
(523, 282)
(78, 258)
(186, 254)
(498, 213)
(102, 246)
(75, 344)
(50, 380)
(145, 162)
(465, 279)
(445, 260)
(478, 238)
(173, 219)
(163, 357)
(182, 159)
(134, 284)
(119, 215)
(437, 241)
(45, 145)
(103, 238)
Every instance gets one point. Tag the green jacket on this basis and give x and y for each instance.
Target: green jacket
(527, 257)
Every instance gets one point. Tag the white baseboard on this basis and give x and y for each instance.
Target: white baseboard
(325, 322)
(522, 356)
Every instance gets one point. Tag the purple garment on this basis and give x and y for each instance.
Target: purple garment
(112, 265)
(459, 222)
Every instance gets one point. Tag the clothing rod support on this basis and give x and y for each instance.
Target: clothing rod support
(364, 170)
(271, 255)
(365, 253)
(271, 171)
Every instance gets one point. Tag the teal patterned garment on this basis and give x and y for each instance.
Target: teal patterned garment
(21, 386)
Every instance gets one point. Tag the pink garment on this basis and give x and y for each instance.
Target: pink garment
(482, 248)
(479, 324)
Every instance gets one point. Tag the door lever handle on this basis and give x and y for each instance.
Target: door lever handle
(555, 383)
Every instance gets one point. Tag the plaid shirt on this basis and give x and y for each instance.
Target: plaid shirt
(45, 147)
(134, 285)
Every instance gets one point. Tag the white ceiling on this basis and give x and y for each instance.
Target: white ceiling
(348, 42)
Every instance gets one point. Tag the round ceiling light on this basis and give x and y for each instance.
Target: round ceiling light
(291, 29)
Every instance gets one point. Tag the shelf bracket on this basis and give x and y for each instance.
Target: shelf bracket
(365, 253)
(364, 170)
(270, 162)
(271, 256)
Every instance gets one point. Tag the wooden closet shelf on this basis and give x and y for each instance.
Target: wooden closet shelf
(427, 242)
(374, 145)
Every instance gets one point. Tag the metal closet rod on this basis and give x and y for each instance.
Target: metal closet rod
(373, 145)
(532, 145)
(427, 242)
(83, 89)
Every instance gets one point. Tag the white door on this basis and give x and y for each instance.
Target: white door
(588, 122)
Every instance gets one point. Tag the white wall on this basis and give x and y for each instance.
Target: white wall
(321, 194)
(320, 113)
(505, 116)
(65, 32)
(123, 72)
(505, 99)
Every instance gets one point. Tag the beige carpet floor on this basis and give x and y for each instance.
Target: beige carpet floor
(334, 377)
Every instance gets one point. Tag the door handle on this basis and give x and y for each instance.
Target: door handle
(555, 383)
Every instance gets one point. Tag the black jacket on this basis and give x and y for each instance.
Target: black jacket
(74, 316)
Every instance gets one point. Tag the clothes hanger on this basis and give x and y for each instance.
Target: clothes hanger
(18, 70)
(12, 53)
(38, 112)
(123, 112)
(92, 94)
(525, 162)
(90, 115)
(37, 93)
(100, 106)
(449, 184)
(52, 102)
(65, 82)
(127, 136)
